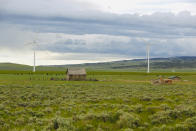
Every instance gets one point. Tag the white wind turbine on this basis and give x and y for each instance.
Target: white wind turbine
(34, 43)
(148, 57)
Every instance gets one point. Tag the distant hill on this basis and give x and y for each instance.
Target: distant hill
(187, 62)
(13, 66)
(183, 62)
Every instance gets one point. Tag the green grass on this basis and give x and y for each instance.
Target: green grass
(118, 101)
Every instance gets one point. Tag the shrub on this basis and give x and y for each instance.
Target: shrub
(187, 111)
(88, 127)
(36, 113)
(20, 121)
(88, 116)
(155, 129)
(174, 113)
(191, 123)
(23, 104)
(99, 129)
(152, 109)
(128, 129)
(2, 107)
(104, 117)
(164, 107)
(160, 98)
(61, 123)
(163, 127)
(161, 117)
(145, 98)
(128, 120)
(139, 108)
(2, 122)
(127, 108)
(181, 127)
(48, 110)
(6, 126)
(146, 124)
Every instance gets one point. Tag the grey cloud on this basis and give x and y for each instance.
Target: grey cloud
(155, 25)
(74, 17)
(92, 57)
(45, 7)
(134, 47)
(162, 29)
(12, 37)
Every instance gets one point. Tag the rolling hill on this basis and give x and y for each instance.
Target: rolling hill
(183, 62)
(13, 66)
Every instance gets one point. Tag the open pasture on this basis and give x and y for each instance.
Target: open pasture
(122, 101)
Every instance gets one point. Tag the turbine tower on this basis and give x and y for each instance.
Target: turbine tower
(34, 53)
(148, 58)
(34, 61)
(34, 56)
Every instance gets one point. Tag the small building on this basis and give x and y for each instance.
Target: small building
(161, 81)
(74, 74)
(175, 78)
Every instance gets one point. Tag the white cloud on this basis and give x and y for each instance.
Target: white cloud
(145, 6)
(76, 7)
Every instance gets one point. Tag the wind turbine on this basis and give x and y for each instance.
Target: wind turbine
(147, 55)
(148, 58)
(34, 54)
(34, 58)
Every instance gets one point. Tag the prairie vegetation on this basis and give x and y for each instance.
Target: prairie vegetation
(118, 101)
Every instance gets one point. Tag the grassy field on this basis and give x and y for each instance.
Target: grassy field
(122, 101)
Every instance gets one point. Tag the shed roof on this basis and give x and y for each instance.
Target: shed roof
(174, 77)
(76, 71)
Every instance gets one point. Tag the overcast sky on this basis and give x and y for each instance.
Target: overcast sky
(81, 31)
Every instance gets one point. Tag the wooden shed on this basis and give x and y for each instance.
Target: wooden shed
(76, 74)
